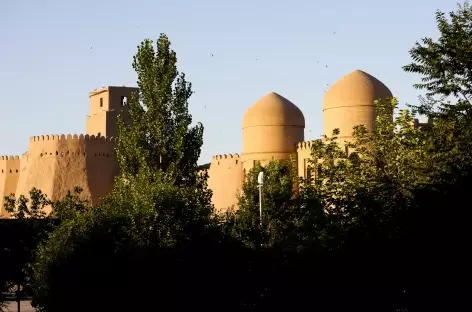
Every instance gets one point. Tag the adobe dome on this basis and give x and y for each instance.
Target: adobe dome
(273, 110)
(350, 103)
(271, 130)
(355, 89)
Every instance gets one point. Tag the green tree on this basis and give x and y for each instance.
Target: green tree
(159, 142)
(290, 248)
(289, 217)
(32, 225)
(387, 200)
(36, 206)
(445, 69)
(27, 232)
(158, 149)
(445, 64)
(384, 165)
(147, 233)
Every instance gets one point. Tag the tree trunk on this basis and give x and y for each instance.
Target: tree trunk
(18, 296)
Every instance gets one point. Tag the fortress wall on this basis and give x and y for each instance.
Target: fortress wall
(249, 160)
(56, 164)
(303, 156)
(9, 174)
(225, 180)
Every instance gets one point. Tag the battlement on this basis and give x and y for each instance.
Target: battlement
(71, 144)
(71, 137)
(9, 157)
(9, 164)
(225, 158)
(305, 145)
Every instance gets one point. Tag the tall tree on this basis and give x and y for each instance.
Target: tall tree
(159, 142)
(159, 210)
(445, 64)
(158, 150)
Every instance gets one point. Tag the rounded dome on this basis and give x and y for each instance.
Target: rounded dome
(273, 110)
(355, 89)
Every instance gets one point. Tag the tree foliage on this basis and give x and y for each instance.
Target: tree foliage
(18, 243)
(445, 64)
(288, 217)
(31, 224)
(37, 205)
(446, 67)
(389, 197)
(158, 150)
(158, 215)
(379, 167)
(159, 142)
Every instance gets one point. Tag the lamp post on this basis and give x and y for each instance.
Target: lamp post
(260, 181)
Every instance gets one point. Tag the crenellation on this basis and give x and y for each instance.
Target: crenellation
(70, 137)
(225, 158)
(71, 145)
(305, 145)
(10, 157)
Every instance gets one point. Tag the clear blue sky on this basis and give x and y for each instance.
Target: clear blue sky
(52, 53)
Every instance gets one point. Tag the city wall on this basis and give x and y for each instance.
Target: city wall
(56, 164)
(303, 157)
(225, 178)
(9, 174)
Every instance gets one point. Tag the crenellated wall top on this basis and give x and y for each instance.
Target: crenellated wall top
(10, 157)
(305, 145)
(225, 159)
(71, 137)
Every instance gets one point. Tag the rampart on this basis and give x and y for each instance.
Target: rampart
(62, 145)
(303, 157)
(225, 159)
(225, 180)
(9, 173)
(56, 164)
(304, 146)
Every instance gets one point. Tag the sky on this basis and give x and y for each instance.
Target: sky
(53, 53)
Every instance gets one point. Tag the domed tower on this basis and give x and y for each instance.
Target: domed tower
(271, 129)
(350, 102)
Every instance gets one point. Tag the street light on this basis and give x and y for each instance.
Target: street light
(260, 181)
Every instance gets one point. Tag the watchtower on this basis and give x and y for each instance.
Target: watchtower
(105, 106)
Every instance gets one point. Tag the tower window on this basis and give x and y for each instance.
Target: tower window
(124, 100)
(101, 102)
